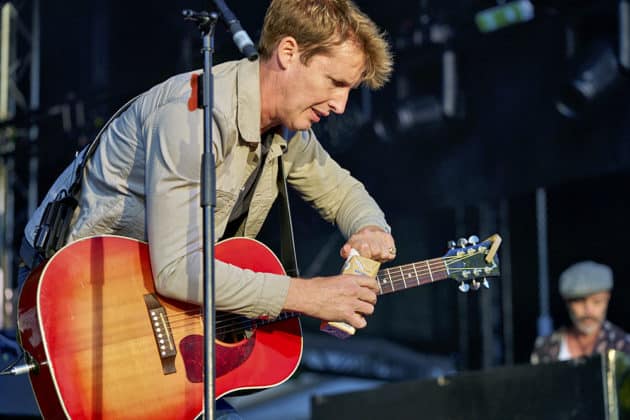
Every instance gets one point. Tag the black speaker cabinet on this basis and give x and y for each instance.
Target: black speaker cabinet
(595, 388)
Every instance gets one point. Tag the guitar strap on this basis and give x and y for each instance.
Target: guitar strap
(288, 255)
(54, 225)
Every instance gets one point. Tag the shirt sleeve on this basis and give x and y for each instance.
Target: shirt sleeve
(174, 219)
(331, 190)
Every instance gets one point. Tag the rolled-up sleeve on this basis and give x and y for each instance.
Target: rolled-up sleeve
(174, 220)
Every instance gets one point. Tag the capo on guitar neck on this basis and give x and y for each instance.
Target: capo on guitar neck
(355, 264)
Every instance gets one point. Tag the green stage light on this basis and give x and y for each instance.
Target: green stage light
(489, 20)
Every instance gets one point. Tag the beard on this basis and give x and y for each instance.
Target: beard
(583, 325)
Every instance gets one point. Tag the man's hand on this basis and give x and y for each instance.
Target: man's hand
(346, 297)
(371, 242)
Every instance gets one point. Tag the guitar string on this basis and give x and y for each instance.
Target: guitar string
(234, 322)
(226, 324)
(238, 326)
(396, 278)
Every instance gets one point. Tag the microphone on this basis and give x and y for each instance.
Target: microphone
(239, 36)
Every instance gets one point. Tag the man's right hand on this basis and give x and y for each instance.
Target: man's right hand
(346, 297)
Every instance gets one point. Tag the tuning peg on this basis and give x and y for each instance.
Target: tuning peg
(464, 287)
(462, 242)
(451, 244)
(485, 283)
(475, 285)
(473, 240)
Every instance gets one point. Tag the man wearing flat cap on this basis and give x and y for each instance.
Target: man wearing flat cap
(585, 287)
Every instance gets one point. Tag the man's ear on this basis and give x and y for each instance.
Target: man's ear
(287, 51)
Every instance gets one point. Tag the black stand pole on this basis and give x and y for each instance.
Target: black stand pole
(207, 23)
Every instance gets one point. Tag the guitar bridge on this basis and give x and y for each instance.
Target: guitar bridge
(162, 333)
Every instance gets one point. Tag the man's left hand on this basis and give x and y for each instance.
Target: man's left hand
(371, 242)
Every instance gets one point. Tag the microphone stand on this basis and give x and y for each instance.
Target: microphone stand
(206, 23)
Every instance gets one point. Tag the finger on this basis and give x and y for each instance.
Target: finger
(345, 251)
(365, 308)
(368, 296)
(365, 250)
(358, 321)
(381, 251)
(386, 253)
(365, 281)
(388, 256)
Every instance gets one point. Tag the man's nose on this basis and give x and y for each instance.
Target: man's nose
(339, 101)
(589, 309)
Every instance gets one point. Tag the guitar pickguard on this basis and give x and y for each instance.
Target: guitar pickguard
(228, 357)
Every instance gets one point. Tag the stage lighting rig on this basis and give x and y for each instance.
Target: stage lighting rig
(595, 76)
(425, 93)
(599, 68)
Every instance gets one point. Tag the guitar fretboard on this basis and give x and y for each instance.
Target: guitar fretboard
(415, 274)
(394, 279)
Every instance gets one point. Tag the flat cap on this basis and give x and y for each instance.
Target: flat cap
(585, 278)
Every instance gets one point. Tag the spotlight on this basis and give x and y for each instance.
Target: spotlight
(410, 116)
(596, 74)
(503, 15)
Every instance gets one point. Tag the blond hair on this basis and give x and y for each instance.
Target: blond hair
(319, 25)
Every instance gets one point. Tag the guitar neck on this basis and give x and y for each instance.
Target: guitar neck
(393, 279)
(416, 274)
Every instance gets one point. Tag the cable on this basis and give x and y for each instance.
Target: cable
(9, 369)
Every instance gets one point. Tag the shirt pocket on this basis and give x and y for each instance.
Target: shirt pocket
(225, 203)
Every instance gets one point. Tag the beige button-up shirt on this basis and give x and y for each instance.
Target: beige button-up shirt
(143, 182)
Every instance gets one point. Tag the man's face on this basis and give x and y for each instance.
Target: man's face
(321, 86)
(589, 313)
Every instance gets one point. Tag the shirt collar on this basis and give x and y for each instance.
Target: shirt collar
(248, 97)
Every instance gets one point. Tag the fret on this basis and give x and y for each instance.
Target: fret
(378, 281)
(382, 282)
(417, 276)
(403, 276)
(390, 280)
(430, 273)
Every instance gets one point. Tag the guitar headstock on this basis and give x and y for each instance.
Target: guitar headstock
(470, 262)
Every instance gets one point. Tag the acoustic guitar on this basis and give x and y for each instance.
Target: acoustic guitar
(105, 345)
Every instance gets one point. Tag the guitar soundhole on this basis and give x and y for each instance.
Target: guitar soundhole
(231, 328)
